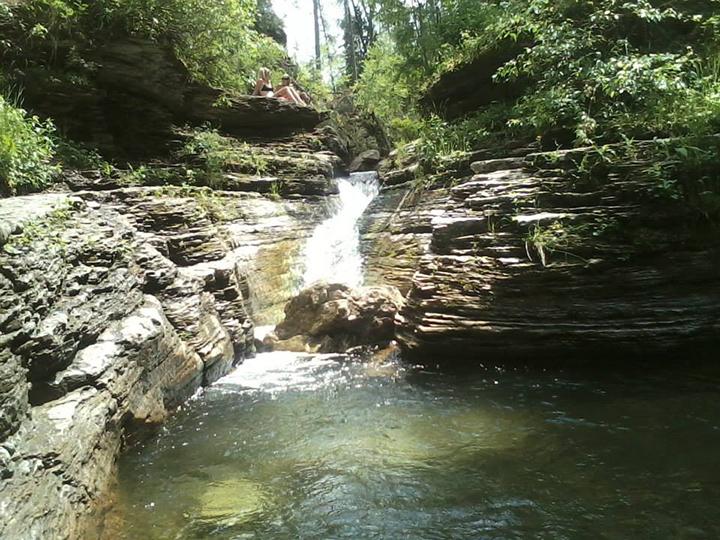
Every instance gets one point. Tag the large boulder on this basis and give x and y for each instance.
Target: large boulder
(334, 318)
(367, 161)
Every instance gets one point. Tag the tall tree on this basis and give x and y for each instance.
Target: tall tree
(351, 61)
(316, 17)
(359, 33)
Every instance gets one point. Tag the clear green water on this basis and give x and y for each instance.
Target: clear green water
(287, 448)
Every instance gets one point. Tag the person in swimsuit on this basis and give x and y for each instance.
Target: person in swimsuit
(298, 95)
(263, 85)
(264, 88)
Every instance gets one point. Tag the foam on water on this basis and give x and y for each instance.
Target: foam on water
(332, 254)
(281, 371)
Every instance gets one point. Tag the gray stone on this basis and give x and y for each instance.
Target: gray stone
(629, 276)
(17, 211)
(335, 318)
(366, 161)
(13, 393)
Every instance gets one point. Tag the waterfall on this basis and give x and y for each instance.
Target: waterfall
(332, 253)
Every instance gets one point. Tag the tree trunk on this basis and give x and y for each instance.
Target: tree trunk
(350, 43)
(316, 15)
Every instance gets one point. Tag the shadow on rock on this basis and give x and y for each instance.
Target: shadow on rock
(331, 318)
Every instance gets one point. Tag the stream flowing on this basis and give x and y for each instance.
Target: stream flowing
(332, 253)
(291, 446)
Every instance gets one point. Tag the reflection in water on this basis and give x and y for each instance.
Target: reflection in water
(291, 446)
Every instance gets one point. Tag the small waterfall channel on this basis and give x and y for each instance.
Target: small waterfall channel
(332, 253)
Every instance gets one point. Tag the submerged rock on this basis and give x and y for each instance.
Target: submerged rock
(231, 501)
(334, 318)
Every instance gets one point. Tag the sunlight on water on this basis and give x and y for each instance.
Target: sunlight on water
(294, 446)
(332, 253)
(317, 447)
(280, 371)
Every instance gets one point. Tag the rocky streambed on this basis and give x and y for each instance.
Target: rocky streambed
(119, 303)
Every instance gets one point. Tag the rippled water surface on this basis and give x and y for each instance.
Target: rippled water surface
(288, 447)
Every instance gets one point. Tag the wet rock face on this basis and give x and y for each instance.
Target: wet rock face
(13, 394)
(516, 259)
(115, 307)
(85, 352)
(225, 241)
(395, 232)
(334, 318)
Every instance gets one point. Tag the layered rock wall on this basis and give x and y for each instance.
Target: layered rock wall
(524, 259)
(117, 306)
(131, 93)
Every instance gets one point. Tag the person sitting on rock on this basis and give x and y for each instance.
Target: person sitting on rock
(263, 85)
(264, 88)
(287, 92)
(287, 82)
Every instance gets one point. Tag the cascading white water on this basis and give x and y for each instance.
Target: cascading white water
(332, 253)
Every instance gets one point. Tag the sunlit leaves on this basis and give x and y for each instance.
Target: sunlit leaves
(26, 148)
(215, 39)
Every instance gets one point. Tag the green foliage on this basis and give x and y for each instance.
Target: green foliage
(74, 155)
(268, 23)
(134, 176)
(311, 81)
(216, 40)
(387, 89)
(565, 239)
(26, 151)
(211, 204)
(590, 72)
(276, 189)
(547, 239)
(216, 154)
(685, 170)
(440, 138)
(689, 169)
(211, 148)
(601, 70)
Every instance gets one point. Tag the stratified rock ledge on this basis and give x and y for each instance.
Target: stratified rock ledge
(516, 259)
(115, 307)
